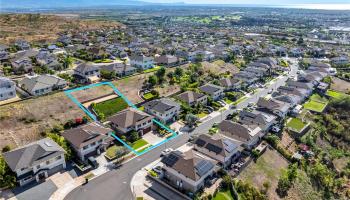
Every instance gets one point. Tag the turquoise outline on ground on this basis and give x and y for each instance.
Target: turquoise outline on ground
(93, 117)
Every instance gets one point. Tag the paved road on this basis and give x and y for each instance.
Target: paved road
(115, 184)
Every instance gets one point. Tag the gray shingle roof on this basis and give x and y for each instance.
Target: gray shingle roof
(190, 96)
(128, 117)
(32, 154)
(210, 88)
(161, 105)
(41, 82)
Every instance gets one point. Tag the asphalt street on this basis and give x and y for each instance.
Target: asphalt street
(115, 184)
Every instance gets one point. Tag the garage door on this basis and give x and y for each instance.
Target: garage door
(146, 130)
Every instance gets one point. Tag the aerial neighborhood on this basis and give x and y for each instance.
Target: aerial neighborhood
(178, 106)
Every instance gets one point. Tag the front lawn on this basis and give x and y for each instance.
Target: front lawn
(240, 100)
(223, 195)
(201, 115)
(115, 152)
(296, 124)
(315, 106)
(111, 106)
(228, 101)
(138, 144)
(156, 68)
(148, 96)
(335, 94)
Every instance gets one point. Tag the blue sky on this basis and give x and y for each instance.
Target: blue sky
(266, 2)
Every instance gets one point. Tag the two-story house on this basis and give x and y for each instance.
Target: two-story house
(247, 135)
(230, 84)
(187, 171)
(42, 84)
(141, 62)
(264, 120)
(89, 139)
(87, 73)
(214, 91)
(193, 98)
(131, 119)
(217, 147)
(36, 161)
(7, 89)
(165, 110)
(273, 106)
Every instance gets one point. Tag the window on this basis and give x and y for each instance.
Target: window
(38, 167)
(58, 157)
(85, 147)
(93, 144)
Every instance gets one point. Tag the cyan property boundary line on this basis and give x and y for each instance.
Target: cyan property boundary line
(93, 117)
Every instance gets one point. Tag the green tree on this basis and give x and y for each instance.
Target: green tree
(63, 143)
(178, 72)
(7, 177)
(152, 80)
(134, 136)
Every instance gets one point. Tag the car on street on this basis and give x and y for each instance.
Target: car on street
(166, 151)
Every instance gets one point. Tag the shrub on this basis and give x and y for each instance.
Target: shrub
(6, 148)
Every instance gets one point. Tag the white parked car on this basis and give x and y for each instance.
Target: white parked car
(166, 151)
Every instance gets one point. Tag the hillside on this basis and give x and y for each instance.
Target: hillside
(35, 27)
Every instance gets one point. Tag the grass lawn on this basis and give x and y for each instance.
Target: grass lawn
(315, 106)
(111, 151)
(223, 195)
(228, 101)
(240, 100)
(148, 96)
(138, 144)
(317, 97)
(144, 148)
(103, 61)
(201, 115)
(156, 68)
(335, 94)
(111, 106)
(296, 124)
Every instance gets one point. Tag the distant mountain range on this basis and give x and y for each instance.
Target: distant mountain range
(73, 3)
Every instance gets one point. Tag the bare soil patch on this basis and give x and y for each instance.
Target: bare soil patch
(340, 85)
(267, 168)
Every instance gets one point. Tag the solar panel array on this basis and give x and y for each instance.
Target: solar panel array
(200, 142)
(203, 167)
(213, 148)
(229, 146)
(170, 159)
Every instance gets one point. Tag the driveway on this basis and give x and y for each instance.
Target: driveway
(35, 191)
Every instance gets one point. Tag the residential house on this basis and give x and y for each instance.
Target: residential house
(217, 147)
(89, 139)
(340, 61)
(7, 89)
(22, 45)
(264, 120)
(36, 161)
(291, 99)
(166, 60)
(131, 119)
(120, 68)
(230, 84)
(4, 55)
(141, 62)
(193, 98)
(214, 91)
(297, 84)
(247, 78)
(247, 135)
(273, 106)
(42, 84)
(165, 110)
(23, 64)
(187, 171)
(302, 93)
(87, 73)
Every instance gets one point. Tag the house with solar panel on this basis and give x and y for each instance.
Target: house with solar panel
(218, 147)
(36, 161)
(187, 171)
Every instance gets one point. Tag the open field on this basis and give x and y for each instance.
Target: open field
(110, 107)
(219, 66)
(340, 85)
(267, 168)
(35, 27)
(335, 94)
(22, 122)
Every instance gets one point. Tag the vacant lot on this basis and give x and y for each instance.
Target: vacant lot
(35, 27)
(267, 168)
(22, 122)
(340, 85)
(335, 94)
(110, 107)
(219, 66)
